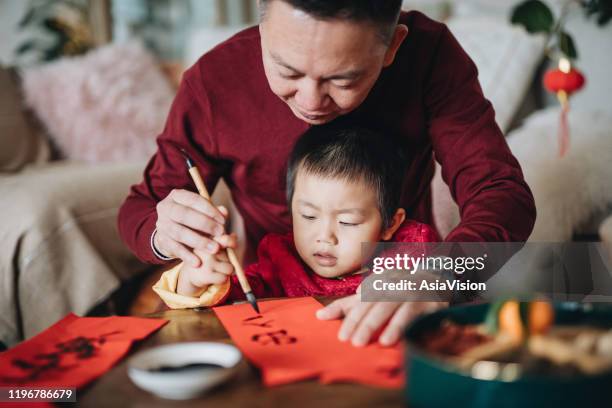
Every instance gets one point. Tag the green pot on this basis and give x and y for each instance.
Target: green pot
(433, 383)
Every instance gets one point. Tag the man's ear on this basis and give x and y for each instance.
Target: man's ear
(401, 31)
(398, 219)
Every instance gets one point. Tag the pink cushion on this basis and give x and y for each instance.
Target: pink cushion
(108, 105)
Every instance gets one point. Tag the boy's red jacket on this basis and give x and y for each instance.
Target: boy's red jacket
(280, 272)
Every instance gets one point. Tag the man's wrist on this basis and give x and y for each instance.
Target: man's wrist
(156, 251)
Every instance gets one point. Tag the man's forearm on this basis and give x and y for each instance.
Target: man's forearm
(507, 214)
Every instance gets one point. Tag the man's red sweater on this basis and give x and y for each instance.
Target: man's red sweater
(235, 128)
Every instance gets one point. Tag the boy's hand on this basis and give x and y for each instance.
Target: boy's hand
(363, 319)
(215, 269)
(186, 221)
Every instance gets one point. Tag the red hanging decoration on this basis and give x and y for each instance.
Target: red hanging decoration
(563, 81)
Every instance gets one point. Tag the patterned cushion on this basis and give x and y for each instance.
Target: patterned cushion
(106, 106)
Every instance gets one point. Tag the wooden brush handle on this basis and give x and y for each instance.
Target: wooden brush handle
(244, 283)
(197, 179)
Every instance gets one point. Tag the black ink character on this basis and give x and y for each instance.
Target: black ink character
(250, 321)
(48, 363)
(276, 337)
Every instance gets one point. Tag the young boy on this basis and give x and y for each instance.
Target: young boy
(343, 186)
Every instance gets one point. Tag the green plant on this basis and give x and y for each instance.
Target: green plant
(65, 20)
(537, 17)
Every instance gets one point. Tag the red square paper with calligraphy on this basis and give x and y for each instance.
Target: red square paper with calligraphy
(73, 351)
(288, 343)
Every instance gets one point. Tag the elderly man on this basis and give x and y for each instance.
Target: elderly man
(241, 107)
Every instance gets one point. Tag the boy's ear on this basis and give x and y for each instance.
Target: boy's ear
(398, 219)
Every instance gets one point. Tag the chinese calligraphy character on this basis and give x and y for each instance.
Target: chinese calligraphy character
(44, 363)
(250, 321)
(275, 337)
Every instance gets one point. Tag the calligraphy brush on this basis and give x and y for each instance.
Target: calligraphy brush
(244, 283)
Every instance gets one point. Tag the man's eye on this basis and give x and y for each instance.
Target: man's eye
(289, 76)
(349, 224)
(344, 85)
(308, 217)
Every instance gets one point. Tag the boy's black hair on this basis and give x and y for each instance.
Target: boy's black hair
(382, 13)
(351, 153)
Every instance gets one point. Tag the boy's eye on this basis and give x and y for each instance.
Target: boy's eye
(308, 217)
(349, 224)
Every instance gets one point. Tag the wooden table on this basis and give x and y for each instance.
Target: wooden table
(115, 389)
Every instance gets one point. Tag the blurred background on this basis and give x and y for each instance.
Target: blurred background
(86, 86)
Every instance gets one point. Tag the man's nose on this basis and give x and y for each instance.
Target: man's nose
(327, 234)
(311, 96)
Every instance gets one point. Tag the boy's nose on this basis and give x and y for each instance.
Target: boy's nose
(327, 236)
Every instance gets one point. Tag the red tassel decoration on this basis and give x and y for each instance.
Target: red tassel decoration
(563, 125)
(563, 81)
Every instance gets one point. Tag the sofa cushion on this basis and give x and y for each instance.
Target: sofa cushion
(106, 106)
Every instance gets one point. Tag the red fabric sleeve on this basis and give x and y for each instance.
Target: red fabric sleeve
(263, 276)
(485, 179)
(187, 127)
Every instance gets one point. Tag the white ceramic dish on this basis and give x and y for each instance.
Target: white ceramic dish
(182, 384)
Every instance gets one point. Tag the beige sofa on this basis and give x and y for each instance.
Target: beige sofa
(60, 248)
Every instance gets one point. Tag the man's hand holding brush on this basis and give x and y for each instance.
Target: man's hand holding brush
(191, 228)
(181, 214)
(188, 225)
